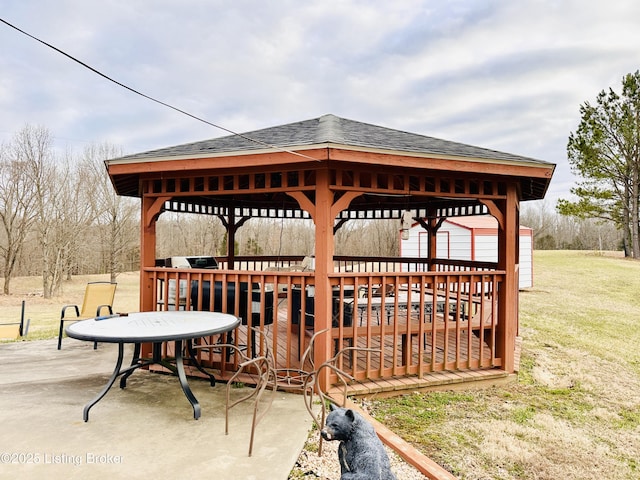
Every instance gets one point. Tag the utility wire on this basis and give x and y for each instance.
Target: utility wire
(148, 97)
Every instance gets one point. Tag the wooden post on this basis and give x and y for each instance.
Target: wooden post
(231, 239)
(324, 265)
(432, 231)
(147, 251)
(508, 298)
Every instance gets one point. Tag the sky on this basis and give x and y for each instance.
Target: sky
(500, 74)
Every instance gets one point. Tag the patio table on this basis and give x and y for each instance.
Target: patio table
(152, 327)
(405, 299)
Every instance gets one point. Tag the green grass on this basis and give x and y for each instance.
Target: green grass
(586, 302)
(574, 412)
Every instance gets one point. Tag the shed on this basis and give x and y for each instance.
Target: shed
(471, 238)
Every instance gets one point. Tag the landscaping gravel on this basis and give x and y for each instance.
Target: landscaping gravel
(327, 467)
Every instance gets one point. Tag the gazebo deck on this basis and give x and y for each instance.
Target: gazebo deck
(402, 334)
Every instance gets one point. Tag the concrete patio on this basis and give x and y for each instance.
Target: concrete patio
(146, 430)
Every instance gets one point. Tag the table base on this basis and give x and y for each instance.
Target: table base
(156, 359)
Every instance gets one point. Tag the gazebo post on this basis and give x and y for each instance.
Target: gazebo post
(432, 231)
(151, 209)
(508, 261)
(324, 249)
(231, 239)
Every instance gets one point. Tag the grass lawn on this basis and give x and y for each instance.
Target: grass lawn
(574, 412)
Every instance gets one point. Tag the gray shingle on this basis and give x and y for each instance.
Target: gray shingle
(330, 129)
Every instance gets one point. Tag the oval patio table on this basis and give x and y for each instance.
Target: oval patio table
(152, 327)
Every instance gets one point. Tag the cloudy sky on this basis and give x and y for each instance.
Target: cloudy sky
(502, 74)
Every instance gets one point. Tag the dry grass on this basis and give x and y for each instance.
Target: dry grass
(45, 313)
(575, 411)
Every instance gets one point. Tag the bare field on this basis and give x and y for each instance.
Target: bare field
(45, 313)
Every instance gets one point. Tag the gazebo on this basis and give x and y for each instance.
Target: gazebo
(420, 318)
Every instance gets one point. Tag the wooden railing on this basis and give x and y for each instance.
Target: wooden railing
(418, 321)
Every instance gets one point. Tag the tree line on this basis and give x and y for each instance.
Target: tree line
(59, 214)
(553, 231)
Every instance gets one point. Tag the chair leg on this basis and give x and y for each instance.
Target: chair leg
(60, 335)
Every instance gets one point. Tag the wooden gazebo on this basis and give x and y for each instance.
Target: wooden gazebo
(422, 315)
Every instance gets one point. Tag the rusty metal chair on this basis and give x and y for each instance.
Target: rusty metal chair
(305, 378)
(344, 378)
(259, 368)
(98, 300)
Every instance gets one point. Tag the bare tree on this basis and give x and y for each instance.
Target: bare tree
(17, 212)
(369, 237)
(33, 148)
(115, 217)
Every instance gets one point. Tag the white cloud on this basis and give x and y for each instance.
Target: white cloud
(499, 74)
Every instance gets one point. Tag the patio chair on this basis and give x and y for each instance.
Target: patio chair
(260, 369)
(13, 330)
(98, 300)
(307, 265)
(304, 379)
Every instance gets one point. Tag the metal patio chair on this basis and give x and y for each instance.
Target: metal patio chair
(13, 330)
(261, 370)
(98, 300)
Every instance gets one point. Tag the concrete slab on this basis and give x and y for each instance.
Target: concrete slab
(146, 430)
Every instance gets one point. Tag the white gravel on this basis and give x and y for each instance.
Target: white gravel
(327, 467)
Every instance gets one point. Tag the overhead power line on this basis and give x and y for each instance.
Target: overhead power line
(148, 97)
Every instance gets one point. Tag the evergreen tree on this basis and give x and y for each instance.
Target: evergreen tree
(605, 153)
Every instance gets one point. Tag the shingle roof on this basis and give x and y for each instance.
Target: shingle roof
(330, 129)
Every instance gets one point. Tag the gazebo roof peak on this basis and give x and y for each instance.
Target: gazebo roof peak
(327, 130)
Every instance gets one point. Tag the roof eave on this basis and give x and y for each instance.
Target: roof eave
(298, 151)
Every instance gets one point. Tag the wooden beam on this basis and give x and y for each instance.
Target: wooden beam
(273, 160)
(154, 209)
(343, 202)
(150, 210)
(444, 163)
(305, 203)
(495, 211)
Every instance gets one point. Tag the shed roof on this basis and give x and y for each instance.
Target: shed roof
(484, 223)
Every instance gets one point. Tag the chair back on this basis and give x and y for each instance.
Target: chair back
(9, 331)
(13, 330)
(97, 294)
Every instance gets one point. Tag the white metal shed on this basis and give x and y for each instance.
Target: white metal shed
(470, 238)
